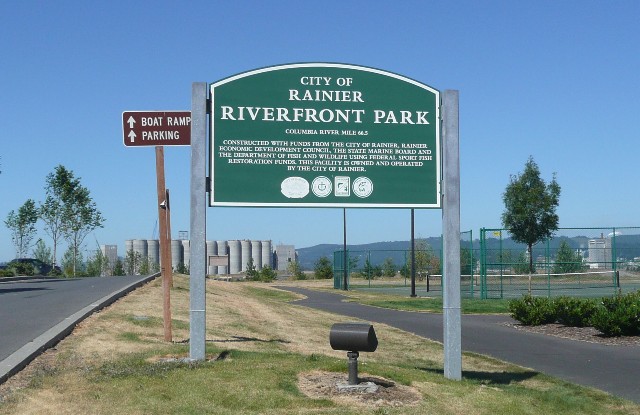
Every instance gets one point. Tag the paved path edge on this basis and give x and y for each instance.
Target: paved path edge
(19, 359)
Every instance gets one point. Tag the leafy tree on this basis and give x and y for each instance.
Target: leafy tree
(371, 271)
(132, 262)
(522, 266)
(52, 211)
(81, 216)
(144, 266)
(426, 260)
(567, 260)
(23, 227)
(295, 270)
(251, 272)
(97, 265)
(42, 252)
(267, 274)
(118, 268)
(72, 263)
(388, 268)
(530, 207)
(323, 269)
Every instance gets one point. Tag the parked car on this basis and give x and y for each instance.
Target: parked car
(26, 266)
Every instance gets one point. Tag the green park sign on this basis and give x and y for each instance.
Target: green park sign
(324, 135)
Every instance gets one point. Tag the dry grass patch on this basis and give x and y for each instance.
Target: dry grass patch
(262, 351)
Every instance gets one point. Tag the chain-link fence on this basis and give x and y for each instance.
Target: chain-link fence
(390, 270)
(587, 262)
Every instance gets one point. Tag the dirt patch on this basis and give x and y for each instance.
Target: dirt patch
(585, 334)
(323, 385)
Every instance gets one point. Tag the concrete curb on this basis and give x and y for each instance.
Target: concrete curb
(23, 356)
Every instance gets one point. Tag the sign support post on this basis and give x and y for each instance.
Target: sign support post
(451, 234)
(198, 222)
(165, 243)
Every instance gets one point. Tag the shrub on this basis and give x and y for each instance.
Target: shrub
(6, 273)
(575, 312)
(20, 268)
(532, 311)
(619, 315)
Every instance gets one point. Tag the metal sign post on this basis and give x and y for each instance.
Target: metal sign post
(451, 238)
(198, 222)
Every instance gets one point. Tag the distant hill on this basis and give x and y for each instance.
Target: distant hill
(628, 247)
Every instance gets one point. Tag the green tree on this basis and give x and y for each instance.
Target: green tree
(97, 265)
(388, 268)
(426, 259)
(295, 270)
(251, 272)
(118, 268)
(72, 263)
(23, 227)
(530, 207)
(323, 269)
(81, 216)
(43, 252)
(267, 274)
(567, 260)
(52, 211)
(132, 262)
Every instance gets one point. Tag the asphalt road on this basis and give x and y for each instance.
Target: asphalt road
(31, 308)
(614, 369)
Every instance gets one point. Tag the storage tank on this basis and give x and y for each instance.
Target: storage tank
(153, 251)
(235, 257)
(176, 253)
(246, 254)
(212, 250)
(256, 254)
(267, 254)
(222, 250)
(128, 246)
(140, 247)
(186, 252)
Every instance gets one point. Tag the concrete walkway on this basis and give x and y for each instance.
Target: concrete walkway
(614, 369)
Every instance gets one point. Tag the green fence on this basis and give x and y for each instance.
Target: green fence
(586, 262)
(389, 271)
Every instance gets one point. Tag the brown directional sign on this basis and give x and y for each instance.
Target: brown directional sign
(156, 128)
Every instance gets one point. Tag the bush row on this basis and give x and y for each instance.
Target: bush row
(613, 316)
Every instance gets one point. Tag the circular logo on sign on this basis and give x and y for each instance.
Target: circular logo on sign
(362, 187)
(294, 187)
(321, 186)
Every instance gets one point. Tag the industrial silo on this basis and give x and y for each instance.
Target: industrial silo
(153, 251)
(256, 254)
(222, 250)
(235, 257)
(186, 252)
(267, 254)
(128, 246)
(140, 247)
(176, 253)
(212, 250)
(246, 254)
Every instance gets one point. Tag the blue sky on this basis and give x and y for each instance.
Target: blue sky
(556, 80)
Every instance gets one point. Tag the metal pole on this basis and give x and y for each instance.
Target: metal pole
(353, 367)
(345, 266)
(413, 255)
(198, 222)
(451, 234)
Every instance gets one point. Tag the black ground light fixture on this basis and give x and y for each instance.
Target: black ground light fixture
(353, 338)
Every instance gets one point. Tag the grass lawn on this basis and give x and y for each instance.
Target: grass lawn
(263, 356)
